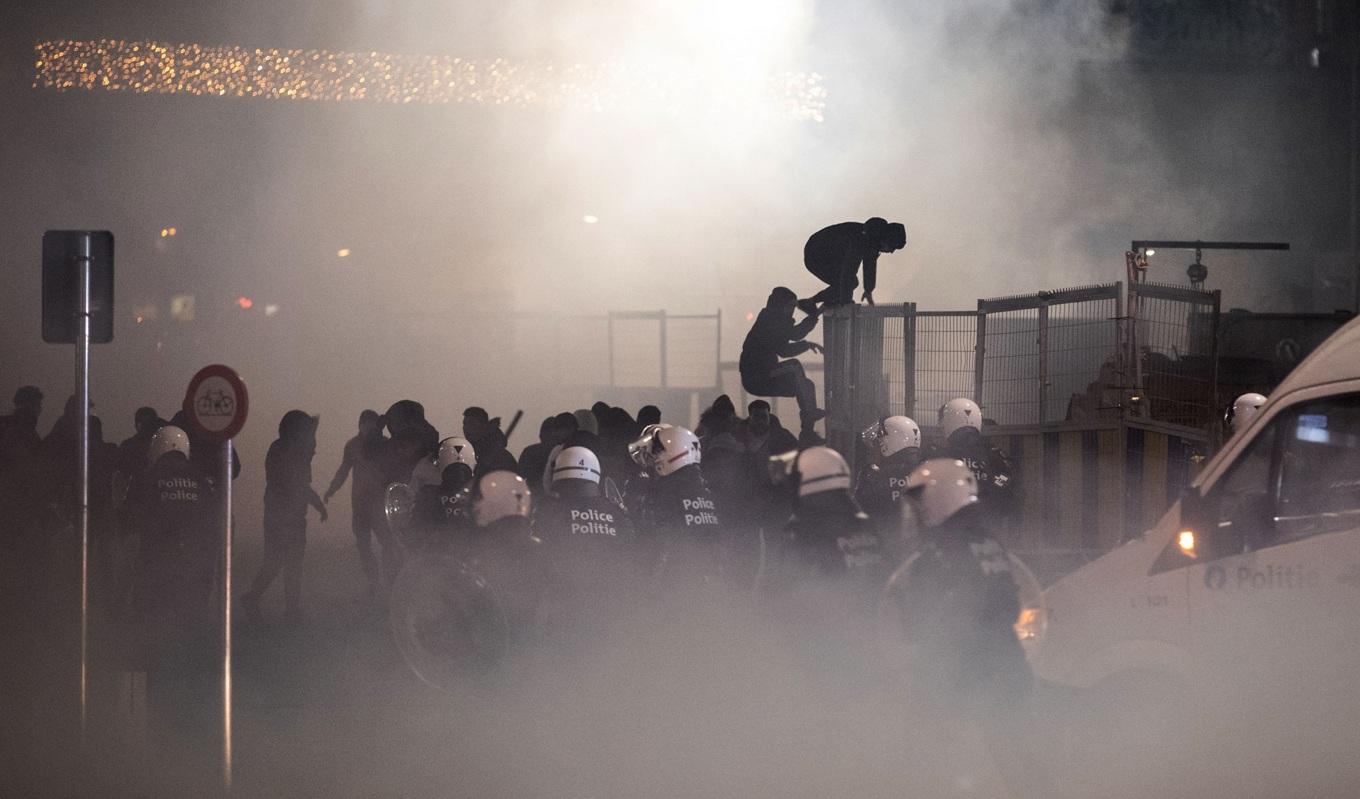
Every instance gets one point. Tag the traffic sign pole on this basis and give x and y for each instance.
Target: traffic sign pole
(83, 470)
(226, 616)
(216, 404)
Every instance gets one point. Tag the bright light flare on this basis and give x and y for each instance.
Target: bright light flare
(1185, 539)
(245, 303)
(735, 69)
(343, 252)
(590, 219)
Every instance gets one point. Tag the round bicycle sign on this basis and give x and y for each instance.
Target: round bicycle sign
(216, 403)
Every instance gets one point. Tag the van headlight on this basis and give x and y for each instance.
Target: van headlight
(1029, 628)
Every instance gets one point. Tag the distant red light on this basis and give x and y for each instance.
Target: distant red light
(246, 303)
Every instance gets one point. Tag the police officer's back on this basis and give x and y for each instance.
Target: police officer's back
(957, 596)
(589, 544)
(173, 510)
(830, 568)
(679, 519)
(443, 510)
(894, 446)
(960, 422)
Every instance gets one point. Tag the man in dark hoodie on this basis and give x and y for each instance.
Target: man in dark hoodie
(488, 441)
(287, 493)
(366, 492)
(773, 336)
(834, 254)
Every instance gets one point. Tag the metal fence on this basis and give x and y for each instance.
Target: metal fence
(654, 349)
(1022, 358)
(1175, 337)
(1040, 350)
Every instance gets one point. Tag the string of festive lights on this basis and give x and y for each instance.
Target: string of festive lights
(158, 68)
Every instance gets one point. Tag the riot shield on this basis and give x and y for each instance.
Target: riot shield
(447, 624)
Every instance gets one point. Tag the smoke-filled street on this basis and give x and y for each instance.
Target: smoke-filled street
(717, 399)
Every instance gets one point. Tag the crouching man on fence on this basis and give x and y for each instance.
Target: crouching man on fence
(774, 336)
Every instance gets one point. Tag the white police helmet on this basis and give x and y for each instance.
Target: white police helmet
(165, 440)
(959, 413)
(939, 488)
(672, 449)
(1244, 409)
(456, 449)
(499, 495)
(892, 435)
(821, 469)
(640, 451)
(576, 463)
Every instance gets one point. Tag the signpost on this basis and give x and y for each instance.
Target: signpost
(77, 294)
(216, 404)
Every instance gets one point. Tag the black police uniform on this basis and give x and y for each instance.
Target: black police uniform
(881, 486)
(832, 565)
(680, 525)
(175, 511)
(959, 605)
(995, 477)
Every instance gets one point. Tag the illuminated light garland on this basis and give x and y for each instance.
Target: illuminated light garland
(157, 68)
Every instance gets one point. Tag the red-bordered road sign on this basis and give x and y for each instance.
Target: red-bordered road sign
(216, 403)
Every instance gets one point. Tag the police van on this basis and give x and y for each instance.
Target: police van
(1252, 578)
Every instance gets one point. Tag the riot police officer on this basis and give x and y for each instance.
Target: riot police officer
(960, 422)
(830, 568)
(173, 508)
(678, 519)
(894, 446)
(590, 543)
(577, 518)
(957, 602)
(444, 510)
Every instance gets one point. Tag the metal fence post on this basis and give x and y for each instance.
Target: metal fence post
(1213, 356)
(979, 353)
(717, 357)
(1043, 361)
(909, 358)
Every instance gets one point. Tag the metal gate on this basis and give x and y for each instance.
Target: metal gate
(1173, 348)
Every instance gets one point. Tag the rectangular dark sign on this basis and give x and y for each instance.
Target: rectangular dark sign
(61, 285)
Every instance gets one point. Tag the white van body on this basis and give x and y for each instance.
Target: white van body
(1269, 593)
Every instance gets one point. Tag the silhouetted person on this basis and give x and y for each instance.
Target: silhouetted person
(366, 491)
(834, 254)
(647, 414)
(132, 450)
(21, 466)
(287, 493)
(19, 430)
(773, 336)
(489, 442)
(533, 460)
(763, 435)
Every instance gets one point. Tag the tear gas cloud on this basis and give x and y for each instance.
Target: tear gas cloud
(1009, 136)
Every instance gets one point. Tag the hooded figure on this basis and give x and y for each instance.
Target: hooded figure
(287, 494)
